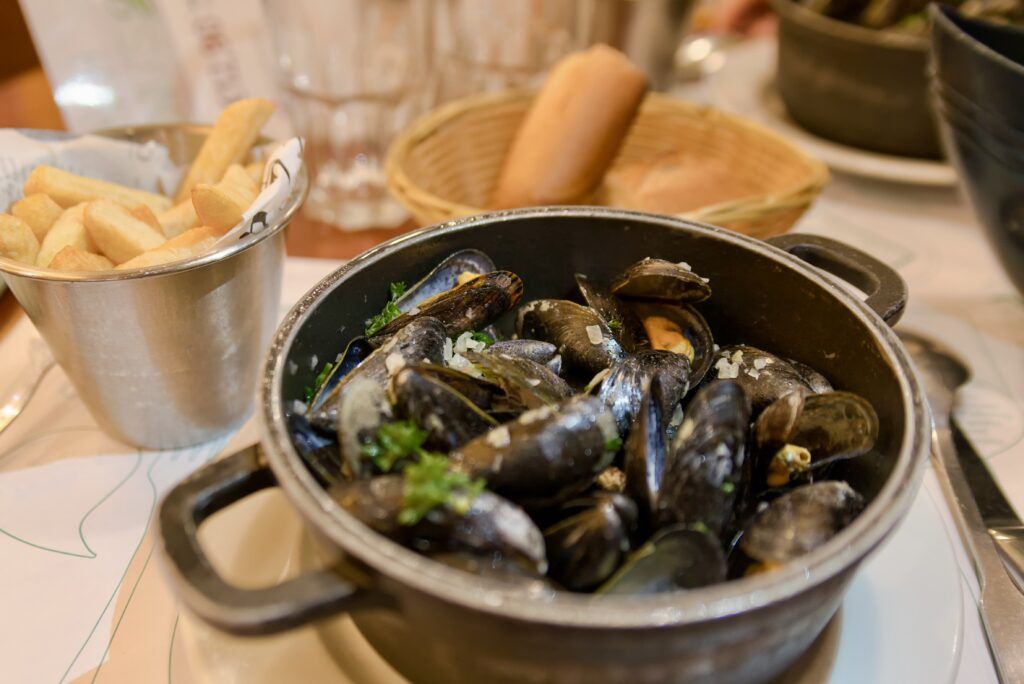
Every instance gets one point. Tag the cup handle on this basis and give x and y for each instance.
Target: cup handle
(885, 289)
(312, 596)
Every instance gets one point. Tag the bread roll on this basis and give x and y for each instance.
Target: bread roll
(573, 130)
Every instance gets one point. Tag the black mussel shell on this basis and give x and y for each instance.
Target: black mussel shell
(467, 307)
(445, 276)
(708, 469)
(494, 566)
(357, 351)
(674, 558)
(543, 353)
(485, 395)
(584, 340)
(660, 280)
(818, 383)
(544, 454)
(525, 382)
(680, 329)
(449, 418)
(800, 521)
(765, 377)
(646, 451)
(584, 549)
(492, 524)
(362, 408)
(318, 451)
(620, 318)
(421, 340)
(622, 390)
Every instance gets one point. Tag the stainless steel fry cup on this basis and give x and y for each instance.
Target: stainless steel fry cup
(167, 356)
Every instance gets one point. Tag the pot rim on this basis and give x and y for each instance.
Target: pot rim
(847, 32)
(402, 566)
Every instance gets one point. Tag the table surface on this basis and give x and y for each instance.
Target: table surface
(928, 234)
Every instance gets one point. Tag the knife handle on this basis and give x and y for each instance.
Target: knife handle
(1001, 605)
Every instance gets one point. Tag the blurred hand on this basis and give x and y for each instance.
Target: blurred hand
(752, 18)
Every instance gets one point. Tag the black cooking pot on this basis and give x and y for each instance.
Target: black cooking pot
(855, 85)
(438, 624)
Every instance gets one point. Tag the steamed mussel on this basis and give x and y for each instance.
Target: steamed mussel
(606, 445)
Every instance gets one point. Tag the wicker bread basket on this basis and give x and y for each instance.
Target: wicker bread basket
(446, 164)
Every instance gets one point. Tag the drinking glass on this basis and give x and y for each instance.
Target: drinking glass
(355, 73)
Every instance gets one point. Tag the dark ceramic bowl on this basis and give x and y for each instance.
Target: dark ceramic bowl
(977, 73)
(855, 85)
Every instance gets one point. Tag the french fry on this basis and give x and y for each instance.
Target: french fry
(119, 235)
(69, 229)
(233, 134)
(221, 206)
(146, 215)
(255, 171)
(68, 189)
(165, 255)
(73, 259)
(17, 241)
(183, 216)
(190, 238)
(39, 211)
(178, 218)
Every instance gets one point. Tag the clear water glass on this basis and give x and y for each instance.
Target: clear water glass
(355, 72)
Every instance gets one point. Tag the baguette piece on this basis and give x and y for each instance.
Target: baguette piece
(17, 241)
(69, 229)
(119, 235)
(573, 130)
(68, 189)
(233, 134)
(39, 211)
(73, 259)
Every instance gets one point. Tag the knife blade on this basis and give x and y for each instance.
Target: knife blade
(997, 513)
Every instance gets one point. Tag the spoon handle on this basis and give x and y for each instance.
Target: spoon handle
(1001, 605)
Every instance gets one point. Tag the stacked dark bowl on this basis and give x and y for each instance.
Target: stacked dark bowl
(977, 81)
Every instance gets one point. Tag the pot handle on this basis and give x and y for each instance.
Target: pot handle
(266, 610)
(885, 289)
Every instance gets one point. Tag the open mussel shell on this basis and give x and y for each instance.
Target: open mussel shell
(491, 525)
(357, 351)
(421, 340)
(320, 452)
(623, 389)
(646, 451)
(831, 426)
(445, 276)
(485, 395)
(526, 383)
(545, 455)
(584, 549)
(464, 308)
(800, 521)
(449, 418)
(584, 340)
(620, 318)
(362, 408)
(765, 377)
(680, 329)
(674, 558)
(660, 280)
(544, 353)
(708, 469)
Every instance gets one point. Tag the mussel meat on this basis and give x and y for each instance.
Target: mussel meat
(679, 329)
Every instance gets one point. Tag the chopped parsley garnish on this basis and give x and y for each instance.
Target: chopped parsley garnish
(728, 488)
(480, 336)
(395, 441)
(615, 324)
(700, 527)
(613, 444)
(321, 378)
(389, 313)
(430, 483)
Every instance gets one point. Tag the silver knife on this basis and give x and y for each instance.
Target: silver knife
(975, 500)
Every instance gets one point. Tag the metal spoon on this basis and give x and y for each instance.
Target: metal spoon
(1001, 604)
